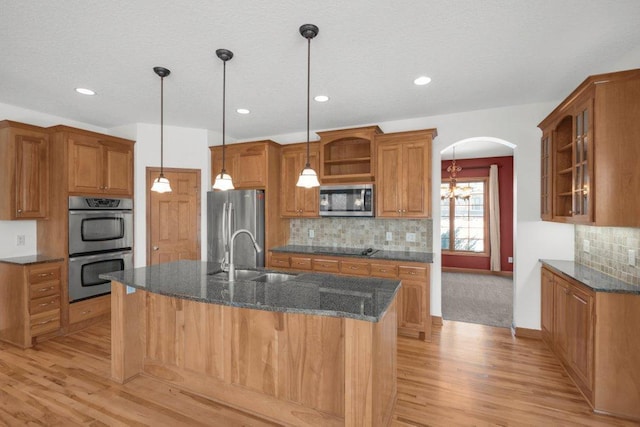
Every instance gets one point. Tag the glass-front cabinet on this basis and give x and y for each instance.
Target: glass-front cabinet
(582, 162)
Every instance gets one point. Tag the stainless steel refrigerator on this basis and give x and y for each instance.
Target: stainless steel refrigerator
(228, 211)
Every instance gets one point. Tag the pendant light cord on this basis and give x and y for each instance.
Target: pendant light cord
(308, 165)
(161, 126)
(224, 109)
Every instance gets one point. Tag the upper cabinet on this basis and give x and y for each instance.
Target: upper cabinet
(24, 171)
(298, 201)
(589, 143)
(404, 174)
(99, 165)
(348, 155)
(247, 163)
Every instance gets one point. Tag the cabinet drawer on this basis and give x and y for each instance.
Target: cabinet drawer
(47, 321)
(412, 273)
(40, 305)
(300, 263)
(356, 268)
(278, 260)
(326, 265)
(384, 270)
(44, 289)
(43, 274)
(90, 308)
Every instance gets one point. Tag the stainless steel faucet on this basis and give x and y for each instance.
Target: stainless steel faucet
(232, 268)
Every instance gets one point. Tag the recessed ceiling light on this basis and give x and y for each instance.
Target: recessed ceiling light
(422, 80)
(242, 111)
(85, 91)
(321, 98)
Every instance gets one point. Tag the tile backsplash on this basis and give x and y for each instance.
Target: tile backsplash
(608, 251)
(363, 232)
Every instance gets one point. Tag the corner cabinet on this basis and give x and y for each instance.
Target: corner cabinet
(404, 174)
(348, 155)
(587, 144)
(594, 335)
(298, 201)
(24, 171)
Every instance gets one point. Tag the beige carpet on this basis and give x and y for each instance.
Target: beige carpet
(477, 298)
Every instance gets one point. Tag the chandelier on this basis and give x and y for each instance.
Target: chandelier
(455, 192)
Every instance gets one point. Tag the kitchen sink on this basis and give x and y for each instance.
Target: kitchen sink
(273, 277)
(241, 274)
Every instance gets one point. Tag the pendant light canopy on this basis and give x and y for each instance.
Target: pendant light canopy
(308, 177)
(223, 180)
(161, 184)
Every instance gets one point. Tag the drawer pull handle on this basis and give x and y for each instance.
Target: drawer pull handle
(412, 272)
(353, 267)
(382, 270)
(45, 274)
(42, 304)
(86, 312)
(45, 322)
(50, 288)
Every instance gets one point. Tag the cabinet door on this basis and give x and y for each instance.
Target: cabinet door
(580, 332)
(411, 314)
(86, 173)
(583, 163)
(561, 338)
(546, 195)
(547, 306)
(251, 167)
(32, 176)
(308, 198)
(118, 168)
(230, 162)
(416, 181)
(288, 191)
(389, 176)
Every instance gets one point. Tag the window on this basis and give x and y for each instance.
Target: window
(469, 222)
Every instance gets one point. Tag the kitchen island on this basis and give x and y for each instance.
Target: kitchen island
(316, 349)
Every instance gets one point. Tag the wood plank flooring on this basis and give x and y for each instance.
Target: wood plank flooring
(468, 375)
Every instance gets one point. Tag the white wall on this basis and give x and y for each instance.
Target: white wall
(183, 148)
(9, 230)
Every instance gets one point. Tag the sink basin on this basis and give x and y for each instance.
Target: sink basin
(241, 274)
(273, 277)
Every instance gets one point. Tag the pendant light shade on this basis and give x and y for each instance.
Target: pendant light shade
(223, 181)
(308, 177)
(161, 183)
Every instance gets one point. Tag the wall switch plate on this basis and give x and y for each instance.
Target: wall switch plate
(389, 236)
(632, 257)
(586, 247)
(20, 240)
(312, 234)
(411, 237)
(510, 260)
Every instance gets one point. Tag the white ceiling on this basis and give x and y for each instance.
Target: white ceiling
(480, 54)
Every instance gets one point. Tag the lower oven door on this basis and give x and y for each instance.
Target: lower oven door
(84, 272)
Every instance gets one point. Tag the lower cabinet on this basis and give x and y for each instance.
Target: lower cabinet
(595, 337)
(414, 316)
(89, 309)
(29, 302)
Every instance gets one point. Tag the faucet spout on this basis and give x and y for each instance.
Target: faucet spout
(256, 246)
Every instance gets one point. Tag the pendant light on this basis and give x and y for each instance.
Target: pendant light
(223, 180)
(308, 177)
(455, 192)
(161, 184)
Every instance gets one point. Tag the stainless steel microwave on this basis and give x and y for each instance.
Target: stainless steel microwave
(347, 200)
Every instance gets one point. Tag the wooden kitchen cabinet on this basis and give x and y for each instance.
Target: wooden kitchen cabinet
(248, 163)
(594, 335)
(24, 171)
(414, 313)
(348, 155)
(587, 144)
(298, 201)
(99, 165)
(29, 302)
(404, 174)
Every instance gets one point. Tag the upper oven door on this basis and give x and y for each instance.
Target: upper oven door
(346, 200)
(94, 231)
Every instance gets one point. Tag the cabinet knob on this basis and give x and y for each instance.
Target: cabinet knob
(19, 210)
(155, 248)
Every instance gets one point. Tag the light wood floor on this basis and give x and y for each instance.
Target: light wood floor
(468, 375)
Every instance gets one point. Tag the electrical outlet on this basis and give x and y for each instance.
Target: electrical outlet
(510, 260)
(389, 236)
(632, 257)
(312, 234)
(20, 240)
(586, 247)
(411, 237)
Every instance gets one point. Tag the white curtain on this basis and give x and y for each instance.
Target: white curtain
(494, 218)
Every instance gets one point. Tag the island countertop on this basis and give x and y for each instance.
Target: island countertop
(307, 293)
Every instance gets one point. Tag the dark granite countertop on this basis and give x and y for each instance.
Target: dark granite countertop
(424, 257)
(595, 280)
(308, 293)
(30, 259)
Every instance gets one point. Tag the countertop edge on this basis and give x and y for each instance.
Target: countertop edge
(568, 270)
(380, 255)
(30, 260)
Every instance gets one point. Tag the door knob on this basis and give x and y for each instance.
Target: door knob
(155, 248)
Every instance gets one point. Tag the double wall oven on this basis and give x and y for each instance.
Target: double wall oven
(100, 241)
